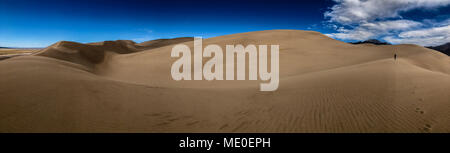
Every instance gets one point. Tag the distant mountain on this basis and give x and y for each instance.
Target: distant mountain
(445, 48)
(372, 41)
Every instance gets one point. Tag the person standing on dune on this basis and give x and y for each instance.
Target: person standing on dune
(395, 56)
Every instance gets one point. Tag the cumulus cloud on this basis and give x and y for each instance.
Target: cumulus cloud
(144, 35)
(367, 19)
(358, 11)
(425, 37)
(374, 29)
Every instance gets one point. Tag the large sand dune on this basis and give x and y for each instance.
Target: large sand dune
(325, 86)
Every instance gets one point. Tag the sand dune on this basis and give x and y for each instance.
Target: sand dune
(325, 86)
(94, 53)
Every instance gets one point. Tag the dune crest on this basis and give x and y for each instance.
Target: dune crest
(94, 53)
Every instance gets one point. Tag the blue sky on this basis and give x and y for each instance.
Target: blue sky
(39, 23)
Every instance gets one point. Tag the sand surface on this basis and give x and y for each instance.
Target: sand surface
(6, 53)
(325, 86)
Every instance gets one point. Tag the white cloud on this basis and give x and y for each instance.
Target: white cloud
(367, 19)
(357, 34)
(390, 25)
(425, 37)
(358, 11)
(436, 31)
(370, 30)
(145, 35)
